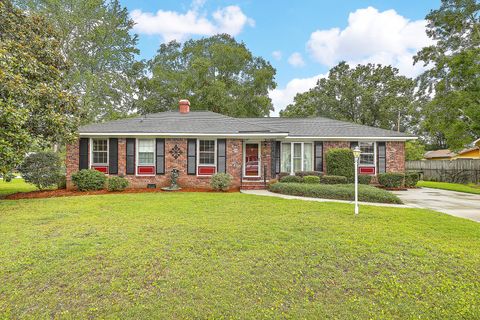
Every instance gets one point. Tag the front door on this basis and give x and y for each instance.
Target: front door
(252, 160)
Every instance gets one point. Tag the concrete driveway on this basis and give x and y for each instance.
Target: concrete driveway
(457, 204)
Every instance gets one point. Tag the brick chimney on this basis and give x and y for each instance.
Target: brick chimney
(184, 106)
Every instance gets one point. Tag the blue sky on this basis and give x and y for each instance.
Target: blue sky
(302, 39)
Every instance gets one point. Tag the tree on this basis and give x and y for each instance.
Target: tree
(34, 104)
(43, 169)
(369, 94)
(414, 150)
(96, 37)
(215, 73)
(451, 84)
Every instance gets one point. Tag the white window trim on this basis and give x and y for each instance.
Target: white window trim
(374, 157)
(144, 165)
(206, 165)
(259, 158)
(292, 172)
(91, 153)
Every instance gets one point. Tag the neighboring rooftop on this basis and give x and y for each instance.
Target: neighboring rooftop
(442, 153)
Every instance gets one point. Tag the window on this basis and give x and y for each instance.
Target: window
(206, 152)
(297, 156)
(367, 155)
(146, 152)
(100, 151)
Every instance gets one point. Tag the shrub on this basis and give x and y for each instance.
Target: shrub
(311, 179)
(282, 174)
(90, 179)
(8, 177)
(271, 182)
(339, 191)
(43, 169)
(411, 179)
(62, 182)
(391, 180)
(333, 180)
(291, 179)
(221, 181)
(308, 173)
(364, 179)
(340, 163)
(117, 184)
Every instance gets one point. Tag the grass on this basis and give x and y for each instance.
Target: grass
(210, 255)
(335, 191)
(14, 186)
(450, 186)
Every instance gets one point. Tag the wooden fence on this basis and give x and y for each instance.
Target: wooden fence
(459, 170)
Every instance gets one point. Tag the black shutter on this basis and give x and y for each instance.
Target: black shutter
(130, 163)
(318, 156)
(353, 144)
(160, 151)
(381, 157)
(277, 157)
(192, 156)
(113, 156)
(83, 154)
(222, 155)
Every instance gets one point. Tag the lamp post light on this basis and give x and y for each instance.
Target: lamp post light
(356, 155)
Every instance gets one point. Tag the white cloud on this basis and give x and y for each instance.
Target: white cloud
(372, 36)
(283, 97)
(296, 60)
(179, 26)
(277, 55)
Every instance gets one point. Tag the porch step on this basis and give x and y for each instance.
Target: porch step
(252, 185)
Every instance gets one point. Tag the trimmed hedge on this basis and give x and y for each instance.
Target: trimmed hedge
(364, 179)
(340, 162)
(411, 179)
(333, 180)
(339, 191)
(311, 179)
(391, 180)
(117, 184)
(290, 179)
(221, 181)
(309, 173)
(86, 180)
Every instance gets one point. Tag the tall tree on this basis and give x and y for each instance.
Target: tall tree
(369, 94)
(452, 83)
(34, 104)
(96, 37)
(216, 73)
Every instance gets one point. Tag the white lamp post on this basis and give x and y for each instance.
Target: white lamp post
(356, 155)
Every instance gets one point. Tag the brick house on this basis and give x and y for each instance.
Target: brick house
(201, 143)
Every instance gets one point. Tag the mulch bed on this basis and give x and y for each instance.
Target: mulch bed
(72, 193)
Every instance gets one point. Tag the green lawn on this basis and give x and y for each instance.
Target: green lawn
(14, 186)
(210, 255)
(450, 186)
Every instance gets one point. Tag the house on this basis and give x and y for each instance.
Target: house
(442, 154)
(446, 154)
(201, 143)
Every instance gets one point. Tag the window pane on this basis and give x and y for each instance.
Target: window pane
(366, 159)
(207, 146)
(206, 152)
(286, 158)
(297, 157)
(100, 144)
(99, 151)
(146, 145)
(367, 153)
(307, 157)
(99, 157)
(146, 158)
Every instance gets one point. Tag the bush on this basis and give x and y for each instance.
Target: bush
(291, 179)
(411, 179)
(282, 174)
(339, 191)
(391, 180)
(117, 184)
(333, 180)
(62, 182)
(364, 179)
(221, 181)
(340, 162)
(86, 180)
(308, 173)
(311, 179)
(8, 177)
(43, 169)
(271, 182)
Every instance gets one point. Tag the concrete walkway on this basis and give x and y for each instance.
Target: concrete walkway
(459, 204)
(284, 196)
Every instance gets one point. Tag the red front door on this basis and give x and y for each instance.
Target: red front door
(252, 163)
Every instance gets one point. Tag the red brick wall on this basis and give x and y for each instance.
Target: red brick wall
(395, 156)
(234, 165)
(330, 145)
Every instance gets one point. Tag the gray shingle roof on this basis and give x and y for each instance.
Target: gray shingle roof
(206, 122)
(324, 127)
